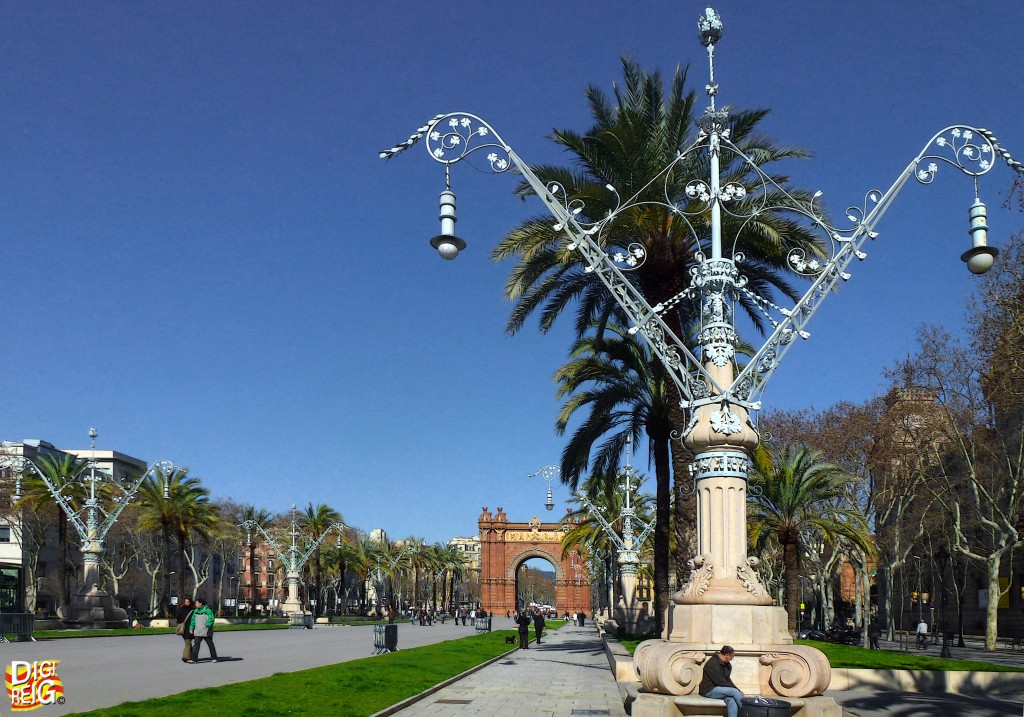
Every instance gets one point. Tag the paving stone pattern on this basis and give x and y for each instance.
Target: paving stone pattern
(567, 675)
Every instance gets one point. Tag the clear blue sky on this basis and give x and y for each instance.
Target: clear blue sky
(204, 258)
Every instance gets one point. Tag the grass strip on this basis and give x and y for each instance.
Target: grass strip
(357, 688)
(859, 658)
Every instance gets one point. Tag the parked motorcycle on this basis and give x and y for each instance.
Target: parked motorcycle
(844, 635)
(811, 634)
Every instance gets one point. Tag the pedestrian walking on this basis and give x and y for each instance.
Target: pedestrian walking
(538, 623)
(391, 614)
(874, 633)
(183, 617)
(202, 629)
(523, 621)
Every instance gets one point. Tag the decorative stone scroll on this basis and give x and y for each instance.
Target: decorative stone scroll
(665, 669)
(797, 670)
(748, 576)
(701, 571)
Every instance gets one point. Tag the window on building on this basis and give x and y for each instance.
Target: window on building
(270, 563)
(5, 533)
(270, 582)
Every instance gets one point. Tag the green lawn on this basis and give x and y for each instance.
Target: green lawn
(859, 658)
(850, 656)
(350, 689)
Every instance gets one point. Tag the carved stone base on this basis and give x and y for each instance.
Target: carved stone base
(93, 608)
(783, 671)
(766, 663)
(626, 621)
(728, 624)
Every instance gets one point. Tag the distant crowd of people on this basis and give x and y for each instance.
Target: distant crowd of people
(427, 616)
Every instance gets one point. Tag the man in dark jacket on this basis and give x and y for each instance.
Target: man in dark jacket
(717, 681)
(538, 623)
(874, 634)
(523, 621)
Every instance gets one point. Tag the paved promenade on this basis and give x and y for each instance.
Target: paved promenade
(106, 671)
(567, 675)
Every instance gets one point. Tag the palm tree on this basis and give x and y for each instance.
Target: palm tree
(63, 472)
(178, 505)
(624, 389)
(316, 521)
(797, 494)
(586, 534)
(262, 518)
(633, 139)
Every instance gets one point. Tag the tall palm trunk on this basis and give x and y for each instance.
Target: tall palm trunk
(181, 563)
(684, 516)
(792, 580)
(166, 530)
(663, 511)
(62, 574)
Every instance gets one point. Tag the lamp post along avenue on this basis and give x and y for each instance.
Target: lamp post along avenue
(106, 498)
(627, 618)
(294, 556)
(725, 601)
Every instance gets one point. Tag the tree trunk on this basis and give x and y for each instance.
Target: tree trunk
(994, 593)
(792, 580)
(662, 527)
(166, 529)
(62, 573)
(684, 498)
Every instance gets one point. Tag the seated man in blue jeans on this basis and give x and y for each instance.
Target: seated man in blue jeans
(717, 682)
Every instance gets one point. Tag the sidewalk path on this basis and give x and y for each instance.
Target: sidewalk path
(106, 671)
(566, 675)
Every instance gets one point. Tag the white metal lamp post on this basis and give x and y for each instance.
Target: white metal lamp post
(725, 601)
(90, 606)
(548, 473)
(293, 557)
(627, 545)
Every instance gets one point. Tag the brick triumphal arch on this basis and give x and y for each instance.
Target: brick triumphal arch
(504, 546)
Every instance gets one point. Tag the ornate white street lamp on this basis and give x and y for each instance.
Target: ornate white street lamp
(724, 602)
(293, 557)
(106, 498)
(548, 473)
(626, 616)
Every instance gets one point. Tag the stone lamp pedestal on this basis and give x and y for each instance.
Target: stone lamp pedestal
(724, 603)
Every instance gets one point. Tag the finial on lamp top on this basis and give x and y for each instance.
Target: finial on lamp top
(710, 25)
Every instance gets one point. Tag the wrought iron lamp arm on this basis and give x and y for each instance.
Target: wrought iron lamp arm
(455, 136)
(78, 517)
(973, 159)
(336, 526)
(595, 513)
(249, 525)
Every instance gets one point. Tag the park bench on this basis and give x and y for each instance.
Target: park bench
(697, 705)
(1015, 644)
(19, 624)
(298, 619)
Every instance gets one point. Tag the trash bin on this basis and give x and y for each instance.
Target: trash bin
(764, 707)
(391, 638)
